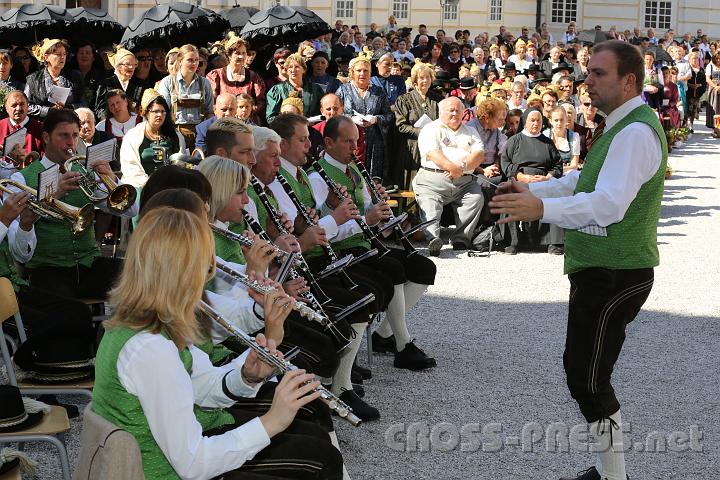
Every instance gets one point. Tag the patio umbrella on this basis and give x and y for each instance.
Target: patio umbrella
(592, 37)
(238, 16)
(32, 22)
(174, 24)
(94, 24)
(282, 25)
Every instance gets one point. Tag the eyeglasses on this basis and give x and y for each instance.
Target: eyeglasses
(158, 112)
(127, 65)
(588, 104)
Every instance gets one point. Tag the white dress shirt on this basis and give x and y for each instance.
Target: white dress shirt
(632, 159)
(286, 206)
(320, 192)
(167, 394)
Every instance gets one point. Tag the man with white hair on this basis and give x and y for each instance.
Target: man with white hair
(450, 151)
(422, 46)
(92, 136)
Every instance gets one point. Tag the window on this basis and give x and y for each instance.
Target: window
(658, 14)
(496, 10)
(400, 9)
(344, 8)
(563, 11)
(450, 11)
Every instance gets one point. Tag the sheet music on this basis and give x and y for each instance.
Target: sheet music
(58, 94)
(422, 121)
(14, 139)
(101, 151)
(48, 181)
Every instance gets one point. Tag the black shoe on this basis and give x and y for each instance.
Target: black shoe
(511, 250)
(359, 407)
(412, 358)
(434, 247)
(556, 250)
(355, 377)
(589, 474)
(365, 373)
(457, 245)
(359, 390)
(383, 345)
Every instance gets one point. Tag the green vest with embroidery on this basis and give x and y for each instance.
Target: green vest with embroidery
(355, 188)
(630, 243)
(304, 194)
(263, 216)
(112, 402)
(56, 244)
(7, 266)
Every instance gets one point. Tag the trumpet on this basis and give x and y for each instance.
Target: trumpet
(119, 197)
(282, 365)
(182, 160)
(244, 241)
(50, 207)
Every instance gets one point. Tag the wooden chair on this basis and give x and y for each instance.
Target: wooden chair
(51, 429)
(9, 308)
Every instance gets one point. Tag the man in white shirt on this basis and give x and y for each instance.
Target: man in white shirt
(450, 152)
(610, 213)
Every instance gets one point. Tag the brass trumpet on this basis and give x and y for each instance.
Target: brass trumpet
(119, 197)
(50, 207)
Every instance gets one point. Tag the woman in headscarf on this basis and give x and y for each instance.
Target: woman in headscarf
(124, 63)
(41, 86)
(531, 157)
(236, 78)
(295, 69)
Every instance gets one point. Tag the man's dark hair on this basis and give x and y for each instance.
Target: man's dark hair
(284, 124)
(628, 57)
(56, 116)
(332, 127)
(173, 177)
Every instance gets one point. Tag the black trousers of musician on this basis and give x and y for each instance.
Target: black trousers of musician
(78, 281)
(302, 451)
(602, 303)
(318, 352)
(42, 310)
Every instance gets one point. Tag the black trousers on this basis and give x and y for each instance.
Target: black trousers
(302, 451)
(78, 281)
(602, 303)
(42, 309)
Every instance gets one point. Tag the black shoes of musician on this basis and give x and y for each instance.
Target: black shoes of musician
(556, 249)
(434, 247)
(511, 250)
(355, 377)
(383, 345)
(589, 474)
(360, 408)
(359, 390)
(364, 372)
(412, 358)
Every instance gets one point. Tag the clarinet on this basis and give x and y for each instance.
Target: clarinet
(311, 222)
(275, 219)
(335, 188)
(248, 242)
(283, 366)
(377, 198)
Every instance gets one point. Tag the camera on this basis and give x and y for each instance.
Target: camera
(160, 154)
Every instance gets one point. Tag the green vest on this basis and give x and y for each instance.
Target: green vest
(56, 244)
(355, 190)
(7, 266)
(304, 194)
(228, 250)
(632, 242)
(112, 402)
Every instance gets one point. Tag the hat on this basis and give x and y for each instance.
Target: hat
(41, 48)
(14, 416)
(231, 40)
(115, 57)
(442, 75)
(540, 77)
(467, 83)
(148, 96)
(562, 66)
(320, 54)
(10, 459)
(58, 354)
(509, 66)
(534, 67)
(491, 69)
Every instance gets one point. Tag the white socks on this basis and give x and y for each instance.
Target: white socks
(611, 459)
(411, 292)
(395, 316)
(336, 444)
(341, 379)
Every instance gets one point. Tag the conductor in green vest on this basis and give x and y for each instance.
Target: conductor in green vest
(610, 211)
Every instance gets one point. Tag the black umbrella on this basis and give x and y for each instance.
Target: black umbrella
(32, 22)
(174, 24)
(282, 25)
(592, 36)
(238, 16)
(661, 56)
(94, 24)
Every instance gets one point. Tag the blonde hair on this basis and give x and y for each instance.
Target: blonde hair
(183, 51)
(293, 99)
(226, 177)
(169, 258)
(418, 68)
(297, 58)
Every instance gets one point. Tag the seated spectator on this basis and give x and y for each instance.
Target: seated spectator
(565, 140)
(124, 63)
(295, 69)
(449, 153)
(512, 122)
(118, 118)
(90, 135)
(225, 106)
(87, 61)
(16, 106)
(531, 157)
(147, 146)
(331, 106)
(402, 52)
(517, 97)
(343, 48)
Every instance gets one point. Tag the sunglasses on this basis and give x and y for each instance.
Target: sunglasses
(587, 104)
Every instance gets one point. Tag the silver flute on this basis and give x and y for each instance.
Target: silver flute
(299, 307)
(248, 242)
(282, 366)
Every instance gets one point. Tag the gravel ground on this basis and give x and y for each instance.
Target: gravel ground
(497, 326)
